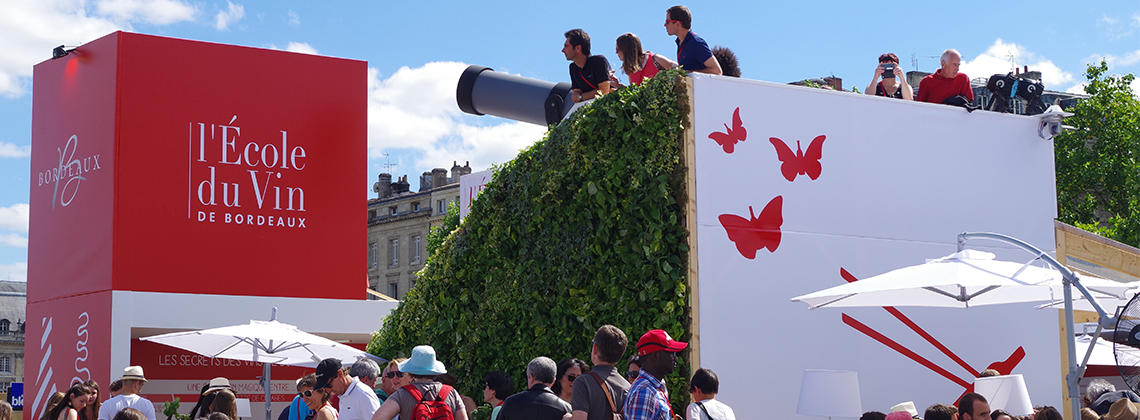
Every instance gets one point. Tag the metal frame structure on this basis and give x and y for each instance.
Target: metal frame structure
(1073, 377)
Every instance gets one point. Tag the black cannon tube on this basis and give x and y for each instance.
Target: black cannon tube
(482, 90)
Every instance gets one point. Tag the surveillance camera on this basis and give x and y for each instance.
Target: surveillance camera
(1052, 122)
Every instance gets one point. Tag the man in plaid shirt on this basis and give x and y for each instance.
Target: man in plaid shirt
(648, 399)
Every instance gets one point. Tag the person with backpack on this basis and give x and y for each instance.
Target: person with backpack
(424, 398)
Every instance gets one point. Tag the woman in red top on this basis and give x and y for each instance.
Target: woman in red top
(636, 63)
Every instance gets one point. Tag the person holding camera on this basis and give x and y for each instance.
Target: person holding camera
(893, 84)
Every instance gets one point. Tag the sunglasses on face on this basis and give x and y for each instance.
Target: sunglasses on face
(307, 394)
(668, 21)
(571, 378)
(633, 373)
(391, 375)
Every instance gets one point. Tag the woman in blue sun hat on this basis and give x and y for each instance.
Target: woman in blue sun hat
(422, 366)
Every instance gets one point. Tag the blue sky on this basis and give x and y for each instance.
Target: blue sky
(415, 51)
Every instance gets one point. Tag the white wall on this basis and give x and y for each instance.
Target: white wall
(899, 181)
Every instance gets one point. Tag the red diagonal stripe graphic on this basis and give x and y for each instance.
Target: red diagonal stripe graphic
(917, 329)
(870, 332)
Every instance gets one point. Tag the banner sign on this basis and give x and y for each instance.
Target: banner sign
(470, 186)
(802, 189)
(67, 340)
(229, 162)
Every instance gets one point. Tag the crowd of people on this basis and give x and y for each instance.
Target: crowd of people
(569, 389)
(1101, 402)
(591, 76)
(81, 401)
(420, 387)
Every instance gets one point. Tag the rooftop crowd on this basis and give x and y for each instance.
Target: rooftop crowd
(590, 75)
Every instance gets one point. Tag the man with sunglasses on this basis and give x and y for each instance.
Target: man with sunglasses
(693, 53)
(634, 368)
(357, 401)
(589, 74)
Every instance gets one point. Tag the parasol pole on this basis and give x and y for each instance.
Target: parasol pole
(1073, 377)
(265, 376)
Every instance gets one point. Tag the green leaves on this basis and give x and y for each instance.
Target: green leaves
(1098, 172)
(584, 228)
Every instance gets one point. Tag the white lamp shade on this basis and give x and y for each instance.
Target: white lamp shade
(830, 393)
(243, 407)
(1005, 392)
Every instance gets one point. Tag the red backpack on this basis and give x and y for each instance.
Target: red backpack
(436, 409)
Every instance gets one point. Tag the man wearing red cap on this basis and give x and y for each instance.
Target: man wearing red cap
(648, 398)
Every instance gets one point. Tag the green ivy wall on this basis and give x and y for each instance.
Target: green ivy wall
(584, 228)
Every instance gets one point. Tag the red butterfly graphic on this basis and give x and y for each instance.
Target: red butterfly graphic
(800, 163)
(759, 232)
(731, 136)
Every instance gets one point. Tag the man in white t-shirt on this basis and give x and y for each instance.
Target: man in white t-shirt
(704, 387)
(357, 400)
(133, 381)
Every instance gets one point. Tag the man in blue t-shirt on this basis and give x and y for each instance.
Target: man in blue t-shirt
(589, 75)
(693, 53)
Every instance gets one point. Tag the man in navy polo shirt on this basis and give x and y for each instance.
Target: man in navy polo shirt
(589, 75)
(693, 53)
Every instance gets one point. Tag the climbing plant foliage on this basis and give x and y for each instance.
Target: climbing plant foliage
(584, 228)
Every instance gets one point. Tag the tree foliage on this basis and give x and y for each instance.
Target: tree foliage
(1098, 174)
(582, 229)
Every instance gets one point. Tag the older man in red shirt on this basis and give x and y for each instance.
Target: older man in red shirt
(946, 82)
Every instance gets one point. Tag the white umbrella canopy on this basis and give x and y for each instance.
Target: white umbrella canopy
(963, 279)
(261, 341)
(267, 342)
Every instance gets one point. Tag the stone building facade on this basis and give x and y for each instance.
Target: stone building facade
(13, 300)
(398, 224)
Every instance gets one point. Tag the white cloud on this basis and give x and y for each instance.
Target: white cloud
(1127, 59)
(416, 109)
(1077, 88)
(232, 14)
(14, 272)
(1114, 30)
(13, 151)
(294, 19)
(15, 217)
(301, 47)
(13, 240)
(157, 12)
(997, 58)
(29, 29)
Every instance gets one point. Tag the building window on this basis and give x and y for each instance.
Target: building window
(412, 282)
(416, 249)
(5, 326)
(394, 256)
(393, 290)
(443, 206)
(416, 206)
(373, 254)
(371, 214)
(393, 210)
(6, 364)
